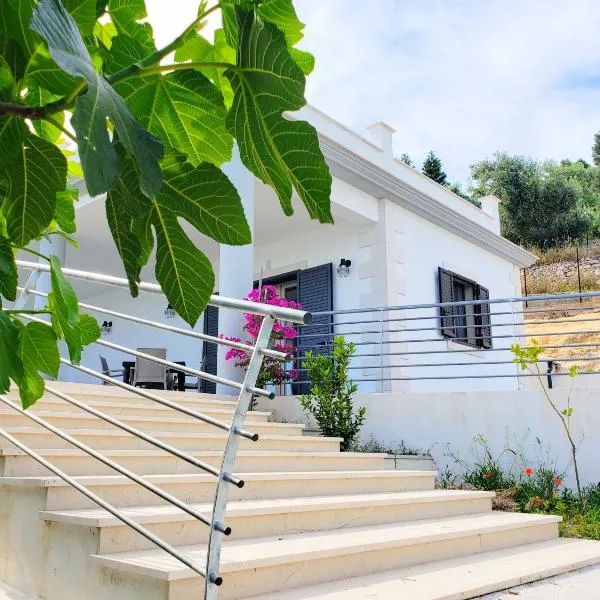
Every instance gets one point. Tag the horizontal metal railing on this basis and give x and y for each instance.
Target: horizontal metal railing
(410, 343)
(231, 430)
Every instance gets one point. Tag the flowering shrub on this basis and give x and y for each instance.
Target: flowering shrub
(282, 336)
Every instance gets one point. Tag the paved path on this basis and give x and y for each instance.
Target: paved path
(578, 585)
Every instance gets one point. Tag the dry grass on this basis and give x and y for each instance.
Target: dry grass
(572, 329)
(545, 283)
(565, 253)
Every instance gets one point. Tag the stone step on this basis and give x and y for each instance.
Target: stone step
(120, 491)
(15, 463)
(115, 439)
(110, 393)
(273, 517)
(174, 422)
(461, 578)
(263, 565)
(146, 408)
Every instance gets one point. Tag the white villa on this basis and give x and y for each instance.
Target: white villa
(94, 477)
(397, 228)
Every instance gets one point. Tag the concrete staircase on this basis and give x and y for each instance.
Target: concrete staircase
(310, 523)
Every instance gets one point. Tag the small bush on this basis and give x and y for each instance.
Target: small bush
(374, 446)
(331, 392)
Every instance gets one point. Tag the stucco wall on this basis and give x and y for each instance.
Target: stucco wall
(438, 421)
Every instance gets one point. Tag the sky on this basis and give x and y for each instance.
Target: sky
(463, 78)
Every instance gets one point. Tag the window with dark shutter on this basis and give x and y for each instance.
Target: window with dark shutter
(468, 324)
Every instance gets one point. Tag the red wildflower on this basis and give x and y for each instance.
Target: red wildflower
(528, 471)
(558, 481)
(488, 474)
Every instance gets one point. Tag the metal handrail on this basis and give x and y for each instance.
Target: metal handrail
(186, 332)
(277, 312)
(234, 430)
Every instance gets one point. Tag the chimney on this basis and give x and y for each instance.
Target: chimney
(490, 207)
(381, 135)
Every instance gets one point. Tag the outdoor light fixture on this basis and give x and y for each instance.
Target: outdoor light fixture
(343, 269)
(106, 327)
(169, 312)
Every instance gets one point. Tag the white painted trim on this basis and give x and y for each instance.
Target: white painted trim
(376, 181)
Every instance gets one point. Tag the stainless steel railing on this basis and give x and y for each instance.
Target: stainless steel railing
(234, 430)
(411, 343)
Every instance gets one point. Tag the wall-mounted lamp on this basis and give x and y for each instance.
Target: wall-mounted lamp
(170, 312)
(343, 269)
(106, 327)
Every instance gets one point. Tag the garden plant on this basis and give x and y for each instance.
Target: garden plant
(330, 400)
(528, 359)
(282, 338)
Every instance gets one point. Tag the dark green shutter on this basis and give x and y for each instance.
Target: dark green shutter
(446, 294)
(209, 351)
(315, 294)
(485, 324)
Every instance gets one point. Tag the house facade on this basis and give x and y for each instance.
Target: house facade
(400, 240)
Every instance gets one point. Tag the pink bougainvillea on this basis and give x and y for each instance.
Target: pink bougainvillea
(273, 371)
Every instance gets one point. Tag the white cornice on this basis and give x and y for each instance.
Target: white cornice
(378, 182)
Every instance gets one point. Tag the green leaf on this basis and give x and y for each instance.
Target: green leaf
(305, 60)
(16, 15)
(184, 272)
(92, 109)
(7, 80)
(120, 223)
(11, 366)
(280, 13)
(84, 13)
(38, 349)
(65, 310)
(12, 134)
(90, 330)
(42, 70)
(126, 14)
(186, 109)
(205, 198)
(34, 178)
(284, 154)
(567, 412)
(38, 96)
(12, 130)
(31, 388)
(8, 270)
(124, 52)
(64, 213)
(198, 49)
(105, 32)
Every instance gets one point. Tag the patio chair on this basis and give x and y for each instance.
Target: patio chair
(197, 385)
(149, 374)
(106, 370)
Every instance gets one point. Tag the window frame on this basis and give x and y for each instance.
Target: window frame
(479, 318)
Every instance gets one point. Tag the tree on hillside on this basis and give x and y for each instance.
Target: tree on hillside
(541, 205)
(432, 167)
(596, 150)
(407, 160)
(587, 179)
(457, 188)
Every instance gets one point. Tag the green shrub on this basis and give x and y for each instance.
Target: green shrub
(331, 391)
